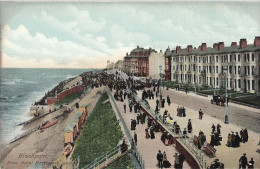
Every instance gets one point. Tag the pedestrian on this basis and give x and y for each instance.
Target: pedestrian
(135, 138)
(189, 126)
(251, 164)
(176, 161)
(229, 140)
(218, 128)
(160, 159)
(213, 128)
(124, 107)
(168, 100)
(181, 159)
(243, 161)
(200, 114)
(166, 163)
(147, 135)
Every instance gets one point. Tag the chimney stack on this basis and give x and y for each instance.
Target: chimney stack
(220, 45)
(203, 47)
(215, 45)
(243, 43)
(257, 41)
(178, 49)
(234, 44)
(189, 47)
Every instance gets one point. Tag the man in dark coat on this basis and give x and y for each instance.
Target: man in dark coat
(124, 107)
(160, 159)
(181, 159)
(243, 161)
(168, 100)
(200, 114)
(213, 128)
(135, 138)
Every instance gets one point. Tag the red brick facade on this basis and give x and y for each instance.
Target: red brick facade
(168, 68)
(64, 94)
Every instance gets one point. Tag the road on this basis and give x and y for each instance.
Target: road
(244, 116)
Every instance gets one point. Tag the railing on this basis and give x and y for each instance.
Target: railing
(101, 159)
(188, 142)
(136, 156)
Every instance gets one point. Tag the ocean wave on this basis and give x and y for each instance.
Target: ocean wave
(29, 82)
(8, 83)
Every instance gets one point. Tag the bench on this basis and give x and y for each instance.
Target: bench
(209, 150)
(195, 140)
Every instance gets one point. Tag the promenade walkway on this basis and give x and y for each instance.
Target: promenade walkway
(148, 148)
(227, 155)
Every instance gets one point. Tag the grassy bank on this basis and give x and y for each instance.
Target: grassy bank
(101, 133)
(68, 98)
(124, 162)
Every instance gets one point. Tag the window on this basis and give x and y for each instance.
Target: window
(230, 69)
(222, 59)
(253, 85)
(245, 69)
(238, 58)
(253, 70)
(217, 69)
(185, 65)
(239, 70)
(248, 70)
(199, 59)
(235, 83)
(222, 69)
(235, 70)
(230, 58)
(253, 57)
(244, 57)
(248, 84)
(230, 84)
(248, 57)
(217, 81)
(235, 58)
(239, 83)
(216, 58)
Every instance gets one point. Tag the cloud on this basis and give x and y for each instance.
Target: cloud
(19, 44)
(121, 36)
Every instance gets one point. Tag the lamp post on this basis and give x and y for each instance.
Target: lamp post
(225, 69)
(160, 67)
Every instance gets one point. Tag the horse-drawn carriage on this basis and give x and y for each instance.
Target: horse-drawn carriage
(219, 100)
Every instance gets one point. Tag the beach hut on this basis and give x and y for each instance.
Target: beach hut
(70, 129)
(83, 108)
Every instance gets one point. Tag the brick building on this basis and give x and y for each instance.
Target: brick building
(204, 65)
(142, 62)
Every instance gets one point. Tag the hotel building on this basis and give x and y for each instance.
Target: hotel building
(204, 65)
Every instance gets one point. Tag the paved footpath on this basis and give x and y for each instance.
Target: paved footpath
(214, 114)
(148, 148)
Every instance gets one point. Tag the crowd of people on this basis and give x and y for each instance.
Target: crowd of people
(234, 140)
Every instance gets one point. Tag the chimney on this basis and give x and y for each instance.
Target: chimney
(127, 54)
(257, 41)
(203, 47)
(215, 45)
(234, 44)
(189, 47)
(178, 49)
(137, 47)
(243, 43)
(220, 45)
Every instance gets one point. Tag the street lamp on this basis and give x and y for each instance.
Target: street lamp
(160, 67)
(225, 70)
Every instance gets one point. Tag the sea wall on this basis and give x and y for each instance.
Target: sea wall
(63, 94)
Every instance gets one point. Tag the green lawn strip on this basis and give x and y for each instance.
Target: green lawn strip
(100, 134)
(253, 100)
(124, 162)
(68, 98)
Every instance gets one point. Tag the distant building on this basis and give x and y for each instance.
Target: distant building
(143, 62)
(204, 65)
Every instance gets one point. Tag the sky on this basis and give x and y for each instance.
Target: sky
(86, 35)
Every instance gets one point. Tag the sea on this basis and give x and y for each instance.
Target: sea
(19, 89)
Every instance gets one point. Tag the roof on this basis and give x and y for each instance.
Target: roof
(72, 124)
(83, 105)
(140, 49)
(216, 51)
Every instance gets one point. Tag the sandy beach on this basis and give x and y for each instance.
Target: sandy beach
(44, 147)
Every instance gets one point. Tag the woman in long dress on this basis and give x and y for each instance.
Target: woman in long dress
(166, 163)
(147, 135)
